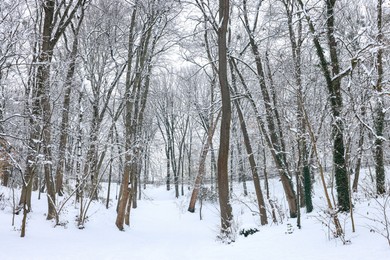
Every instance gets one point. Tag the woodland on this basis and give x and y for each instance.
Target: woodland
(102, 99)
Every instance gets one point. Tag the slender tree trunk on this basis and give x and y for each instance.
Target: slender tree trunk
(379, 116)
(275, 139)
(303, 167)
(359, 154)
(202, 165)
(65, 114)
(130, 95)
(79, 183)
(252, 163)
(241, 171)
(250, 153)
(168, 181)
(109, 181)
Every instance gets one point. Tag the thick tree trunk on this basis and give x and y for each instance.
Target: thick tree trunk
(136, 95)
(124, 197)
(43, 107)
(224, 141)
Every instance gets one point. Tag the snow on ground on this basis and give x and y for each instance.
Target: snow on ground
(161, 228)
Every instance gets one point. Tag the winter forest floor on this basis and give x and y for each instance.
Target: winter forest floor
(162, 228)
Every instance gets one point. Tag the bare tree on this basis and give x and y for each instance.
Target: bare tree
(69, 85)
(272, 129)
(224, 141)
(379, 110)
(249, 150)
(56, 18)
(139, 69)
(333, 76)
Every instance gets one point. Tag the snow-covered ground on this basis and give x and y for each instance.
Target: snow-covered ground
(162, 228)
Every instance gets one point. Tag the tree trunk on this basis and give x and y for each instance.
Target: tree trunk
(379, 111)
(252, 163)
(124, 197)
(250, 153)
(303, 155)
(40, 120)
(333, 79)
(223, 155)
(65, 114)
(202, 164)
(241, 170)
(130, 96)
(359, 155)
(274, 139)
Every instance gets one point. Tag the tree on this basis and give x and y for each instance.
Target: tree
(272, 129)
(12, 31)
(155, 18)
(167, 124)
(69, 85)
(379, 110)
(303, 154)
(224, 140)
(250, 153)
(333, 76)
(104, 66)
(53, 27)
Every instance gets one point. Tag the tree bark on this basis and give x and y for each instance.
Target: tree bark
(379, 114)
(223, 154)
(130, 95)
(359, 154)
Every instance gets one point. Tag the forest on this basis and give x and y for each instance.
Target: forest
(275, 100)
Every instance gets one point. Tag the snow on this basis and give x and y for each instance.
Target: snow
(162, 228)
